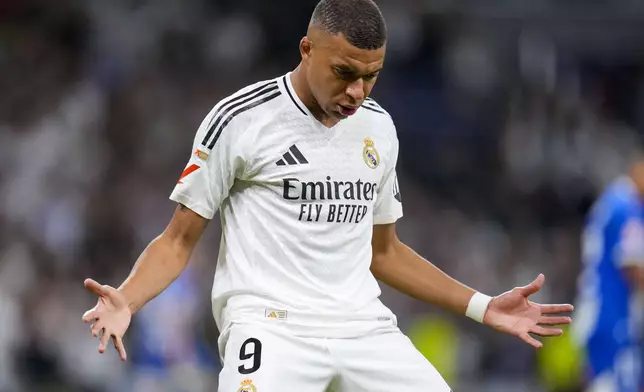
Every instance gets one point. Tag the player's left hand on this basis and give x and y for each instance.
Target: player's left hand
(512, 312)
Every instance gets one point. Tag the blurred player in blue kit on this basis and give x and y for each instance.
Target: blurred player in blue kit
(609, 306)
(302, 169)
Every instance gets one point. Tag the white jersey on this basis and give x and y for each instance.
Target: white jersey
(298, 202)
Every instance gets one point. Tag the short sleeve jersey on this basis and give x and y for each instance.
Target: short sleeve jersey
(297, 200)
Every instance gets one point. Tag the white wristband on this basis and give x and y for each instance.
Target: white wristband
(477, 306)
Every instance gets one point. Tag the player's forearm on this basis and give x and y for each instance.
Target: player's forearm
(403, 269)
(158, 266)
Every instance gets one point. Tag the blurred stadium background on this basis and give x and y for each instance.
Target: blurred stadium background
(512, 115)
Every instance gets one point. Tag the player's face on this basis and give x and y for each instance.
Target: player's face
(340, 75)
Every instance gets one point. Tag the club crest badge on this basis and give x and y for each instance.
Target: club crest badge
(247, 386)
(370, 154)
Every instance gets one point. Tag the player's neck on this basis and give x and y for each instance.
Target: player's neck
(298, 80)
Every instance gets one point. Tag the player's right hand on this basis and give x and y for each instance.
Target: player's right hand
(110, 318)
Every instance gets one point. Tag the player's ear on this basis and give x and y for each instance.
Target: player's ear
(305, 48)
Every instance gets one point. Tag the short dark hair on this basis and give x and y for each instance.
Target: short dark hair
(360, 21)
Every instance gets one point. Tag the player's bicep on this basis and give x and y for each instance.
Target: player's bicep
(383, 244)
(383, 238)
(185, 227)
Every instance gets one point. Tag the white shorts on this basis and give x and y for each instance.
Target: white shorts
(265, 357)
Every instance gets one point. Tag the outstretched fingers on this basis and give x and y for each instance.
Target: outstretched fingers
(545, 332)
(102, 345)
(101, 290)
(96, 328)
(554, 320)
(109, 297)
(554, 309)
(94, 287)
(118, 344)
(533, 287)
(530, 340)
(90, 316)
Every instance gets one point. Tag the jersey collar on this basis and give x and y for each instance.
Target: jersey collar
(286, 83)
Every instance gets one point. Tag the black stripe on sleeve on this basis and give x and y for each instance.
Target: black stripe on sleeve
(243, 103)
(373, 104)
(288, 90)
(371, 101)
(373, 109)
(370, 104)
(223, 108)
(241, 110)
(298, 154)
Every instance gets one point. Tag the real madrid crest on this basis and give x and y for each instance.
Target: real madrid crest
(247, 386)
(370, 154)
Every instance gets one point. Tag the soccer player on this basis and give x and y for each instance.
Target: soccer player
(609, 307)
(302, 170)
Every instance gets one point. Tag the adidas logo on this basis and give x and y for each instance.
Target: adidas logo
(292, 157)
